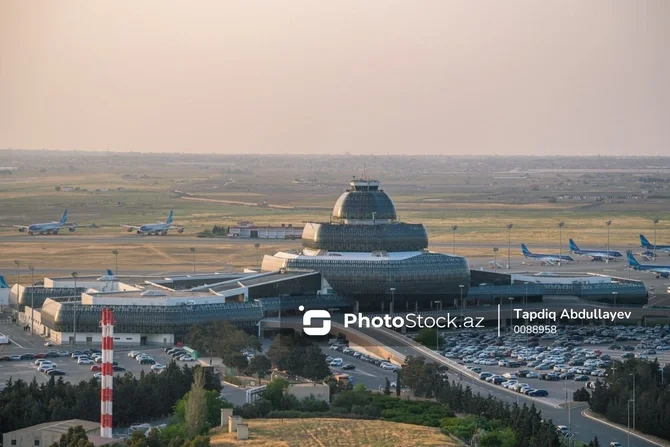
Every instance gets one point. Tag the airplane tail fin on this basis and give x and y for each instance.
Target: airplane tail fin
(3, 283)
(573, 245)
(644, 242)
(63, 219)
(169, 219)
(109, 272)
(525, 250)
(631, 259)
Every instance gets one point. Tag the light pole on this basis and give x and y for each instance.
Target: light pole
(655, 220)
(628, 408)
(392, 301)
(614, 294)
(455, 227)
(633, 403)
(18, 274)
(192, 249)
(74, 310)
(257, 246)
(511, 312)
(608, 223)
(495, 263)
(560, 241)
(116, 257)
(567, 404)
(32, 298)
(460, 286)
(509, 243)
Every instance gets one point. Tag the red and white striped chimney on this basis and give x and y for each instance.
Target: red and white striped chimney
(107, 373)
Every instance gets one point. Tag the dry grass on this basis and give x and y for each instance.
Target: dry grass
(333, 432)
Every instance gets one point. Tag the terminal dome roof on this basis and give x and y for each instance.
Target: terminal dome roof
(364, 201)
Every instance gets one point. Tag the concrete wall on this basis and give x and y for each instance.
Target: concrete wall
(126, 339)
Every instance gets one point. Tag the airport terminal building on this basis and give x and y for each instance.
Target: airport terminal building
(366, 254)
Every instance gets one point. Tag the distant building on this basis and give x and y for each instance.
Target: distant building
(247, 229)
(49, 432)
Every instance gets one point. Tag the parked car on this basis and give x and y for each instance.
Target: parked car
(84, 361)
(348, 366)
(96, 368)
(117, 368)
(539, 393)
(157, 367)
(147, 361)
(55, 372)
(98, 376)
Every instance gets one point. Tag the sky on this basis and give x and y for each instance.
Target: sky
(452, 77)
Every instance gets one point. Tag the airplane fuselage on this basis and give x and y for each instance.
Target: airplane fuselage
(156, 229)
(46, 228)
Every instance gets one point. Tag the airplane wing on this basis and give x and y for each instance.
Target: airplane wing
(130, 226)
(21, 226)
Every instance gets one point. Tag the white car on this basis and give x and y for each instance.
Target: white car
(186, 358)
(84, 361)
(132, 354)
(532, 375)
(158, 367)
(98, 376)
(46, 367)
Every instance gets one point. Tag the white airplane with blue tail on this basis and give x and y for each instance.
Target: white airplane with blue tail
(47, 228)
(160, 228)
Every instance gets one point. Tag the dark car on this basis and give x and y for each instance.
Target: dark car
(147, 362)
(55, 372)
(95, 351)
(52, 354)
(27, 356)
(118, 368)
(628, 348)
(567, 376)
(5, 358)
(539, 393)
(582, 379)
(348, 366)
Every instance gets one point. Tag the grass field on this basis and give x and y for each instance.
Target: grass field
(332, 432)
(137, 188)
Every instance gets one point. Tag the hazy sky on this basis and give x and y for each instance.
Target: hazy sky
(368, 76)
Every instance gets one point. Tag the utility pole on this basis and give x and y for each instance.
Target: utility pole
(461, 286)
(392, 301)
(560, 242)
(32, 298)
(455, 227)
(495, 263)
(509, 243)
(116, 256)
(74, 316)
(511, 313)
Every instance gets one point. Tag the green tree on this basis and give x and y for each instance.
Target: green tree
(261, 366)
(274, 391)
(75, 437)
(196, 406)
(429, 337)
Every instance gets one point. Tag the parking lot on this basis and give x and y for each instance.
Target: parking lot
(27, 370)
(573, 352)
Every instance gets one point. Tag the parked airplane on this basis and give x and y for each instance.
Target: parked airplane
(160, 228)
(47, 228)
(649, 246)
(595, 255)
(544, 258)
(659, 270)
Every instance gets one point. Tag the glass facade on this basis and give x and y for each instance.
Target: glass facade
(419, 278)
(365, 238)
(364, 205)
